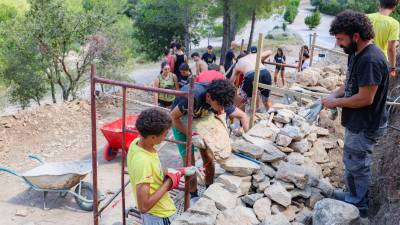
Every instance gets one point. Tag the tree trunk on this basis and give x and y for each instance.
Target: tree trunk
(227, 25)
(52, 88)
(253, 22)
(385, 185)
(187, 37)
(232, 29)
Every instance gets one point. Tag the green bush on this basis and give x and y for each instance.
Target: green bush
(290, 13)
(294, 3)
(313, 20)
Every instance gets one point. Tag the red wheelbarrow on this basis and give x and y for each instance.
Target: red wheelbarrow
(113, 134)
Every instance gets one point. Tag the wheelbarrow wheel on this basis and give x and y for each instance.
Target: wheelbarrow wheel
(86, 193)
(109, 153)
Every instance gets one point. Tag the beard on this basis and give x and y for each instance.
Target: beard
(351, 49)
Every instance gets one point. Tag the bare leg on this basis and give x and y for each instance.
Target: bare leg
(267, 104)
(276, 77)
(209, 167)
(283, 77)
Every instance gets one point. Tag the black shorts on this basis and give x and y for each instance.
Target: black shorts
(265, 78)
(164, 104)
(279, 68)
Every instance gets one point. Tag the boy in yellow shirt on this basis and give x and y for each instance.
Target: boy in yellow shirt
(150, 182)
(386, 31)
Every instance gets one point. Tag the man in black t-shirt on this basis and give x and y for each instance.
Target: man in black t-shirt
(363, 99)
(209, 57)
(229, 60)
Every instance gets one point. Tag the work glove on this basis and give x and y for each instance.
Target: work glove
(175, 176)
(314, 111)
(198, 141)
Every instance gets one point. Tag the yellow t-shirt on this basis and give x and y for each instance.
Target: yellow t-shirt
(145, 167)
(386, 29)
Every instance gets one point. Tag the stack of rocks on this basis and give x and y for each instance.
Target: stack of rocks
(286, 178)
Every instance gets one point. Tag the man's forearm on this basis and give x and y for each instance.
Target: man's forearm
(338, 93)
(149, 202)
(354, 102)
(392, 56)
(180, 126)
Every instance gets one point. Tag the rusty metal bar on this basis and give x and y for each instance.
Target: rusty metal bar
(189, 142)
(301, 59)
(124, 85)
(94, 142)
(113, 197)
(140, 87)
(123, 154)
(281, 64)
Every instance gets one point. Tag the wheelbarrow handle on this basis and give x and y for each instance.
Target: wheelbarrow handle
(36, 158)
(10, 171)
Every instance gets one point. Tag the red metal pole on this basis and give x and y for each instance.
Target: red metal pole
(94, 142)
(189, 142)
(123, 154)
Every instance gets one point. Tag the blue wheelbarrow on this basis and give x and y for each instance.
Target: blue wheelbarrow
(60, 177)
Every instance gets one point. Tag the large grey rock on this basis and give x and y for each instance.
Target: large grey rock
(304, 216)
(332, 212)
(272, 154)
(261, 130)
(301, 146)
(325, 186)
(189, 218)
(295, 158)
(306, 193)
(204, 206)
(262, 208)
(278, 219)
(278, 194)
(293, 132)
(223, 198)
(314, 198)
(284, 116)
(240, 214)
(320, 155)
(239, 166)
(247, 148)
(252, 198)
(313, 171)
(292, 173)
(259, 176)
(263, 185)
(283, 140)
(267, 170)
(234, 184)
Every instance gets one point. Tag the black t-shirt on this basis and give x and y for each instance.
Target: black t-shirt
(230, 55)
(370, 67)
(280, 59)
(200, 106)
(209, 58)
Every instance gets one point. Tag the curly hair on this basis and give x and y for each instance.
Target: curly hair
(153, 122)
(222, 91)
(388, 4)
(351, 22)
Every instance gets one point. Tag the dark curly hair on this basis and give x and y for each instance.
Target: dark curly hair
(388, 4)
(351, 22)
(222, 91)
(153, 122)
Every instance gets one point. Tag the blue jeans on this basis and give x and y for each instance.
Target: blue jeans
(357, 158)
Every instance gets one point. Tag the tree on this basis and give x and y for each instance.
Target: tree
(157, 23)
(290, 14)
(21, 65)
(313, 20)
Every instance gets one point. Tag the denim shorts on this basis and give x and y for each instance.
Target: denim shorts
(149, 219)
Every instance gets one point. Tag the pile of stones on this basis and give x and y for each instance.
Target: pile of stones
(281, 181)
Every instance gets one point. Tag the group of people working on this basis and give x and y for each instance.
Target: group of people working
(366, 39)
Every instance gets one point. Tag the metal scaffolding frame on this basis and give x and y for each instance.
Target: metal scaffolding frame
(124, 85)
